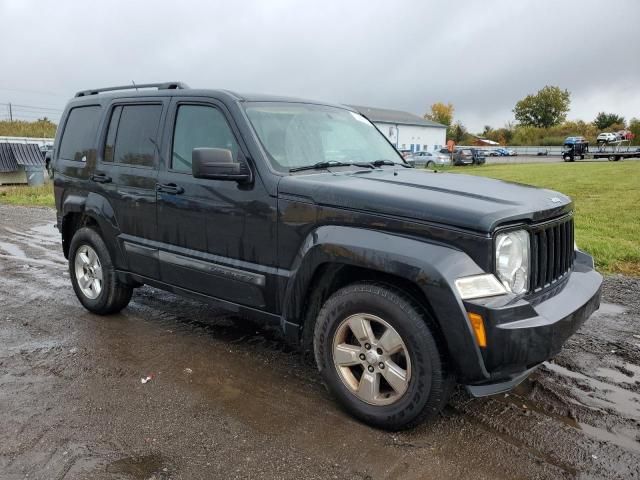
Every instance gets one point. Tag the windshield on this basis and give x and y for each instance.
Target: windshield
(298, 135)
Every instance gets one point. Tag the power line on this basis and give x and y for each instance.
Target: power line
(33, 107)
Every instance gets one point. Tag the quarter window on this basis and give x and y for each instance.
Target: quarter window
(79, 137)
(199, 126)
(135, 134)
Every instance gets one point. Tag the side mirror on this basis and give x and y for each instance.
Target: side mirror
(217, 164)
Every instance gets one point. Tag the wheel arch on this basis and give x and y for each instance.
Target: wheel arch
(95, 211)
(335, 256)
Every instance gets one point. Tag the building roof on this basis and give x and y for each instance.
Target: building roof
(15, 155)
(485, 141)
(384, 115)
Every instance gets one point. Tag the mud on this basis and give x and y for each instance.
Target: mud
(228, 399)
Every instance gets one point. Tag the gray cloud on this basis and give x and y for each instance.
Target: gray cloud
(481, 56)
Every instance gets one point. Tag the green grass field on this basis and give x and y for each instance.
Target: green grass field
(606, 196)
(28, 196)
(607, 202)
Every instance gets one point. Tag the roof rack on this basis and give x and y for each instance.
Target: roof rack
(159, 86)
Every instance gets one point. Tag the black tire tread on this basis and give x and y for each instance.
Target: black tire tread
(443, 381)
(118, 294)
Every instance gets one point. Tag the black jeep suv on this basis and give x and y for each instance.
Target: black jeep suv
(301, 214)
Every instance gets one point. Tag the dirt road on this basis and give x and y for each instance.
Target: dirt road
(229, 400)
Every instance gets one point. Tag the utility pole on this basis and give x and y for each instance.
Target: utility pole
(10, 113)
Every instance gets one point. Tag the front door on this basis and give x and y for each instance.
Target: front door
(217, 237)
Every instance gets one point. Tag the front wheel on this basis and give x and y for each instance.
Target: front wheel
(376, 350)
(93, 275)
(430, 164)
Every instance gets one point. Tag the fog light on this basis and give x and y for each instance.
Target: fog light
(479, 286)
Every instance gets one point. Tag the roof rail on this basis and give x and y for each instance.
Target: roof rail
(159, 86)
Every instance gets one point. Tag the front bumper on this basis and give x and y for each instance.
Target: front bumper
(525, 332)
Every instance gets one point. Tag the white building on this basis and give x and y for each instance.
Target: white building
(406, 130)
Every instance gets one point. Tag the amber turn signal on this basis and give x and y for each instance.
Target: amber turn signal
(478, 328)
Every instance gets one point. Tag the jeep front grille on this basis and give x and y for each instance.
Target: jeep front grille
(552, 252)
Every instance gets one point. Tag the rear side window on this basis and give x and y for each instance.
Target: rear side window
(131, 138)
(79, 136)
(199, 126)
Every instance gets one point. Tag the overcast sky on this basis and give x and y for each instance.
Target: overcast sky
(480, 55)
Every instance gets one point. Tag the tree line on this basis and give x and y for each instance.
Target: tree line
(541, 119)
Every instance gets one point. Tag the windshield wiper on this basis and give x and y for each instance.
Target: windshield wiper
(332, 163)
(379, 163)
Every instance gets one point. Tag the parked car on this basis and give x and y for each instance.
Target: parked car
(400, 282)
(429, 159)
(606, 137)
(468, 156)
(505, 152)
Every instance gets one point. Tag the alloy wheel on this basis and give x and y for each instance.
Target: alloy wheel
(371, 359)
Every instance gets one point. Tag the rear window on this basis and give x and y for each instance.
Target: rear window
(133, 140)
(79, 136)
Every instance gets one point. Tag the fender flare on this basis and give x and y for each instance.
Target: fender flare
(432, 267)
(98, 208)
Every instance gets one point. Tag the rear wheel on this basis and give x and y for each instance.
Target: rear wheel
(430, 164)
(377, 353)
(93, 276)
(612, 158)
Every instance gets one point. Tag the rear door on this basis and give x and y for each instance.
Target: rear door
(127, 171)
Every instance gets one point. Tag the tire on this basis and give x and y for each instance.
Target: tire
(112, 295)
(612, 158)
(429, 382)
(430, 164)
(567, 158)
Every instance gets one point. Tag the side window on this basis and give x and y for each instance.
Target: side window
(135, 138)
(199, 126)
(79, 136)
(111, 134)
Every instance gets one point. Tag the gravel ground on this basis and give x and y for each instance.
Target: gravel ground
(229, 400)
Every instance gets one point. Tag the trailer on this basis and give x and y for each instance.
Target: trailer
(578, 147)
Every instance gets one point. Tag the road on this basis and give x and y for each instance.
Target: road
(543, 159)
(228, 399)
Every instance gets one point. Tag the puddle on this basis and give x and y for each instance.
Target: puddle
(619, 376)
(139, 467)
(13, 250)
(610, 309)
(625, 439)
(600, 394)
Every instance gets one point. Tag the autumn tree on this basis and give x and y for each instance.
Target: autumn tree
(441, 113)
(546, 108)
(456, 132)
(605, 120)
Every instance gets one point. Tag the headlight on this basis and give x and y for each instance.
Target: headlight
(512, 260)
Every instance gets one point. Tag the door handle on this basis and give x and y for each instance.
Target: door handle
(171, 188)
(100, 178)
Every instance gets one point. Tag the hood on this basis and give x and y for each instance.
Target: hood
(465, 201)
